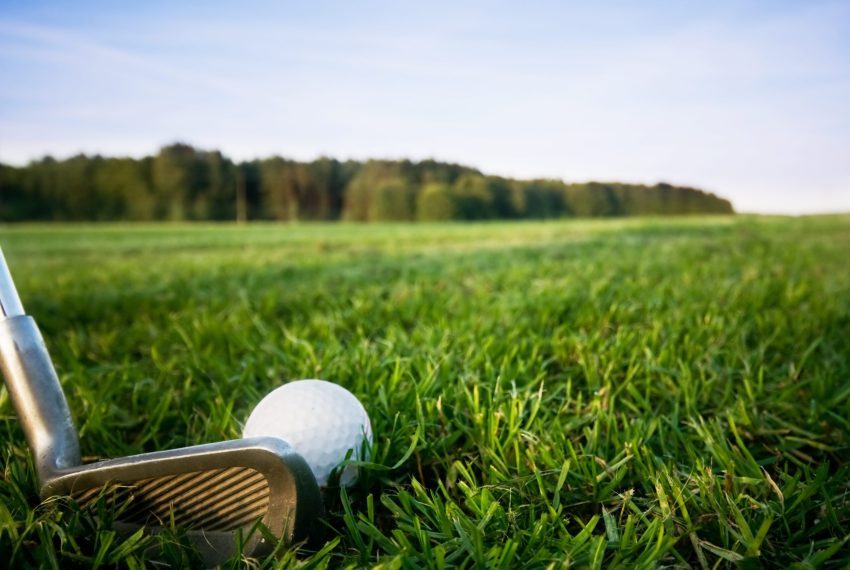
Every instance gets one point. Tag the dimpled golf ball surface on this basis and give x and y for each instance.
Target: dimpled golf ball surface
(320, 420)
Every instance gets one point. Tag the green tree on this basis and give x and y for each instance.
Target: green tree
(545, 199)
(508, 200)
(172, 180)
(436, 202)
(279, 188)
(359, 192)
(392, 200)
(124, 191)
(431, 170)
(593, 199)
(323, 195)
(216, 198)
(14, 204)
(473, 198)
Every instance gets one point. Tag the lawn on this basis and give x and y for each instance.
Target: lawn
(602, 394)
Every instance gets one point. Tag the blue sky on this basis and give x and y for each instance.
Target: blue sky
(750, 100)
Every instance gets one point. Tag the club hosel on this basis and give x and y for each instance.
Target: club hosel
(37, 396)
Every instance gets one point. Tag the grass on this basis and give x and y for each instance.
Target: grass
(600, 394)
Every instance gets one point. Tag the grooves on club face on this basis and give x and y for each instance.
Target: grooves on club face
(213, 491)
(214, 499)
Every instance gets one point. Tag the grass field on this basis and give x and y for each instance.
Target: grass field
(602, 394)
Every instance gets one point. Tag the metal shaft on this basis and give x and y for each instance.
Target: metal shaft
(33, 386)
(10, 303)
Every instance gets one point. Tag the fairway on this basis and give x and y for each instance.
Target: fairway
(602, 394)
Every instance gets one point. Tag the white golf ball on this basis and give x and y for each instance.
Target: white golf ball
(320, 420)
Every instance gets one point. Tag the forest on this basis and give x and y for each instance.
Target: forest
(181, 182)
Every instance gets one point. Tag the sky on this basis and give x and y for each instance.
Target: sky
(749, 100)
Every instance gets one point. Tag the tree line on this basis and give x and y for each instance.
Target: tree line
(181, 182)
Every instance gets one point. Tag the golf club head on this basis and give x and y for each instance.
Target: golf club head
(213, 491)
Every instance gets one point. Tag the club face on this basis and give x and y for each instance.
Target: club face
(212, 491)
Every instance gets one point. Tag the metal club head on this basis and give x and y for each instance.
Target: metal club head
(215, 492)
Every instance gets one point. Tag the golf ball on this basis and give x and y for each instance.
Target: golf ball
(320, 420)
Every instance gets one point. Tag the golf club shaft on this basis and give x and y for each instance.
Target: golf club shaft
(33, 386)
(10, 302)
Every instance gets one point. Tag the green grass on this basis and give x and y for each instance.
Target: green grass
(600, 394)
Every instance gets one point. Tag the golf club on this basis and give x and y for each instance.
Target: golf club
(214, 491)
